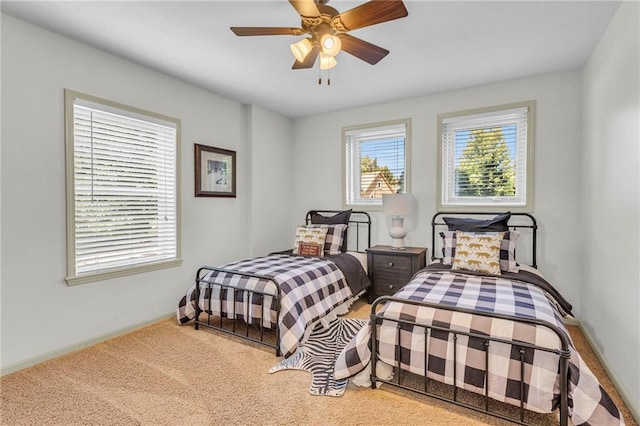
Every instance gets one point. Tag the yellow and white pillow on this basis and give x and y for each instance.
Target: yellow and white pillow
(310, 241)
(478, 252)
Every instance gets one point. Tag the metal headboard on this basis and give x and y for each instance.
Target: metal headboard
(529, 223)
(357, 218)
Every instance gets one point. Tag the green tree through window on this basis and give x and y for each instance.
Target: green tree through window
(485, 168)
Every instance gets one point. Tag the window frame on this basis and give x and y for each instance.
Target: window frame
(530, 159)
(72, 277)
(375, 206)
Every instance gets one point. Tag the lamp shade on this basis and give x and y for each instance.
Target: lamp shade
(327, 62)
(301, 49)
(397, 204)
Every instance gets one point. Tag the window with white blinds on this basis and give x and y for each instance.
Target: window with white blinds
(376, 159)
(485, 157)
(122, 189)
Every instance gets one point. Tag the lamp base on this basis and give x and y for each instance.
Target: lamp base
(397, 232)
(398, 245)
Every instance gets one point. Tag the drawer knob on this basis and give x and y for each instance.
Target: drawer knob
(390, 286)
(390, 263)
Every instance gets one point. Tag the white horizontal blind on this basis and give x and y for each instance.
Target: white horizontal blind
(125, 188)
(375, 163)
(484, 159)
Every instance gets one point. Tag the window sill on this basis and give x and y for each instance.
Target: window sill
(117, 273)
(364, 207)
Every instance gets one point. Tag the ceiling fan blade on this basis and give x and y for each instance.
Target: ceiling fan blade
(261, 31)
(362, 49)
(306, 8)
(309, 60)
(373, 12)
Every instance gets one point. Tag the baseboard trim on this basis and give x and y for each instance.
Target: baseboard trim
(635, 412)
(12, 368)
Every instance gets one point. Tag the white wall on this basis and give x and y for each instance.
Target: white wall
(557, 163)
(270, 176)
(41, 315)
(609, 293)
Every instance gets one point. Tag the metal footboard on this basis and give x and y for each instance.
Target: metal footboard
(563, 353)
(238, 294)
(359, 221)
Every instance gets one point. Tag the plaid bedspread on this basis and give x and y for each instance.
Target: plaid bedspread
(310, 288)
(588, 401)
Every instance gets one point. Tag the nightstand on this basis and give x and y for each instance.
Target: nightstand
(389, 269)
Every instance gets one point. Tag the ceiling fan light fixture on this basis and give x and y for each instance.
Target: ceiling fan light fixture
(327, 62)
(325, 31)
(301, 49)
(331, 45)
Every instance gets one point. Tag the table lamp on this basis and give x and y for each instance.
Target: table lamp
(397, 205)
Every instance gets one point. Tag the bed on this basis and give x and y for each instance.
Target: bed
(477, 315)
(287, 292)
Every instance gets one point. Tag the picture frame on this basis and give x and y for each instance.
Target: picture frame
(215, 172)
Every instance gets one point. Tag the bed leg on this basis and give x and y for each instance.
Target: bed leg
(374, 345)
(564, 403)
(196, 297)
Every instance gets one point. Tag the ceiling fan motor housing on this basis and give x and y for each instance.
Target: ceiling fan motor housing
(329, 18)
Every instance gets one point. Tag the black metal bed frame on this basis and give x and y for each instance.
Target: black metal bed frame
(563, 351)
(358, 219)
(533, 226)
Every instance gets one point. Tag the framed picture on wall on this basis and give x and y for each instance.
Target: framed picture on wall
(215, 170)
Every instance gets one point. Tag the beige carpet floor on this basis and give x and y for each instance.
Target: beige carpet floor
(167, 374)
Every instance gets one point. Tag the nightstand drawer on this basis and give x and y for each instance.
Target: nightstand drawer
(391, 268)
(383, 288)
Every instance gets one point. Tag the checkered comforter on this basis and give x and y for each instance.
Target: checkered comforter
(588, 402)
(310, 289)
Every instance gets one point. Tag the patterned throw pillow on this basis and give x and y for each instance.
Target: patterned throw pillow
(507, 250)
(310, 249)
(306, 238)
(448, 246)
(336, 235)
(340, 218)
(478, 252)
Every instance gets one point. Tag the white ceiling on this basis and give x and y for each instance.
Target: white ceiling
(440, 46)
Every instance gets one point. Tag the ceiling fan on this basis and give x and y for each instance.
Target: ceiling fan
(327, 31)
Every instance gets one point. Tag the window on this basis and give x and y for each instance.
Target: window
(122, 189)
(376, 162)
(486, 158)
